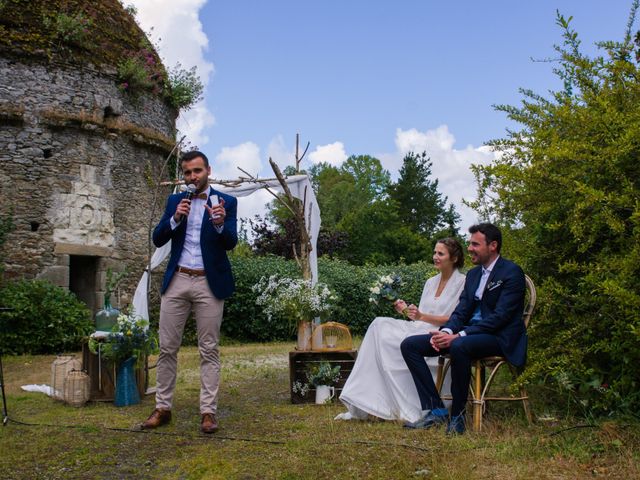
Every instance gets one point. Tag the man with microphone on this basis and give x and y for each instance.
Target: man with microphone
(201, 225)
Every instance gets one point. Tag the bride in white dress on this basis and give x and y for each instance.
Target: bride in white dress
(380, 383)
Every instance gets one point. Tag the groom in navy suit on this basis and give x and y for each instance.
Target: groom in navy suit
(202, 228)
(487, 321)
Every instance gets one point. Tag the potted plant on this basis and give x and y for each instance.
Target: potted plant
(295, 299)
(129, 342)
(324, 377)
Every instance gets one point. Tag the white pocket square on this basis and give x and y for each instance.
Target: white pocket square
(494, 285)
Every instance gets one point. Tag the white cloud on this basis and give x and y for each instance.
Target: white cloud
(175, 27)
(415, 141)
(450, 166)
(246, 156)
(279, 153)
(194, 123)
(332, 153)
(225, 167)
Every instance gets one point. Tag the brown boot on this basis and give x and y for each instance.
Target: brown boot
(158, 418)
(209, 423)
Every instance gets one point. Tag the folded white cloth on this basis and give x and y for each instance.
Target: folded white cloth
(100, 335)
(38, 388)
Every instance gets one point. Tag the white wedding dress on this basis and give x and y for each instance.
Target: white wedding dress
(380, 383)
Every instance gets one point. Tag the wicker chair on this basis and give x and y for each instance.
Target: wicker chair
(480, 383)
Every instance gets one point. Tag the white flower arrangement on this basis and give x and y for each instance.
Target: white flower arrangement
(295, 299)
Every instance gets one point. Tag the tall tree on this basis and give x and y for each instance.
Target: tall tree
(336, 192)
(422, 207)
(567, 185)
(372, 181)
(376, 235)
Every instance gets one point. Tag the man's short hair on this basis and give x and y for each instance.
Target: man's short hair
(194, 154)
(490, 231)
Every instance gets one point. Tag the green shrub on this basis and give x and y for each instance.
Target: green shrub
(351, 283)
(185, 88)
(133, 75)
(45, 318)
(564, 187)
(244, 320)
(70, 30)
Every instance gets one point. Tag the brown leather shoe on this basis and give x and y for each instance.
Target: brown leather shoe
(209, 423)
(158, 418)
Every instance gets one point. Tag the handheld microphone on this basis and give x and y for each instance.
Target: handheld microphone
(191, 190)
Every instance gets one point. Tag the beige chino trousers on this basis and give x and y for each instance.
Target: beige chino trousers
(184, 294)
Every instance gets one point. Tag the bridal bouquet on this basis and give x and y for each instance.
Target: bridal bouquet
(387, 287)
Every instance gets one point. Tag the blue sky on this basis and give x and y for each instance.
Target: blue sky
(365, 77)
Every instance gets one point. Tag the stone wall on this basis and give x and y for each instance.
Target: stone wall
(78, 159)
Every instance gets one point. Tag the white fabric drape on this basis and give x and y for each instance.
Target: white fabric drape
(300, 187)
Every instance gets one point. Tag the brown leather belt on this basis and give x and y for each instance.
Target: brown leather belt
(191, 271)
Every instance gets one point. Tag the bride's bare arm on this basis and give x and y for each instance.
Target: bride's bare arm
(414, 314)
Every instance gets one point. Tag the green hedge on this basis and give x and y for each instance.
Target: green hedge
(49, 319)
(45, 318)
(244, 320)
(352, 283)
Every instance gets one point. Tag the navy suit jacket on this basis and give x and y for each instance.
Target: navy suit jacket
(502, 305)
(213, 245)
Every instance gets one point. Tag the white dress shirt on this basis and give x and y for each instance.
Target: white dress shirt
(191, 256)
(486, 273)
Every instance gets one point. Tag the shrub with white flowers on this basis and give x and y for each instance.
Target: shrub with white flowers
(293, 298)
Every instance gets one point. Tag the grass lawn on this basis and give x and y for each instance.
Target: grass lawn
(264, 436)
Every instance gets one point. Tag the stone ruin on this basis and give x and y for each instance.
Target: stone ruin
(79, 156)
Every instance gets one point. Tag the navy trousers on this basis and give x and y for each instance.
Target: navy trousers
(463, 350)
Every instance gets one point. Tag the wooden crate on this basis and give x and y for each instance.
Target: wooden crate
(102, 375)
(300, 361)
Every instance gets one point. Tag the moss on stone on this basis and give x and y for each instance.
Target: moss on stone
(29, 27)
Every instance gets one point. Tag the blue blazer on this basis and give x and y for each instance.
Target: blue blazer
(502, 305)
(214, 245)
